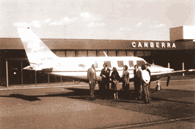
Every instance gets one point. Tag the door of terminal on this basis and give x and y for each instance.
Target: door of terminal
(28, 75)
(14, 72)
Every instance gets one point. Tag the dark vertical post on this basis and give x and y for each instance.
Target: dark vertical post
(168, 57)
(61, 79)
(152, 57)
(35, 78)
(21, 74)
(7, 79)
(48, 79)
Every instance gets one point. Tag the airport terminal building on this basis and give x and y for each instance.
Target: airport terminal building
(178, 53)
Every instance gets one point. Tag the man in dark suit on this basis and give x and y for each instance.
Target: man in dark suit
(147, 69)
(125, 80)
(105, 74)
(137, 82)
(91, 75)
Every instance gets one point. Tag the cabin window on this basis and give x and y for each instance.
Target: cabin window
(131, 64)
(81, 65)
(120, 63)
(108, 63)
(140, 62)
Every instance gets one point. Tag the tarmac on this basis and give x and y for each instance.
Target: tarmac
(66, 105)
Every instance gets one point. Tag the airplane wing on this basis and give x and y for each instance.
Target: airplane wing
(157, 76)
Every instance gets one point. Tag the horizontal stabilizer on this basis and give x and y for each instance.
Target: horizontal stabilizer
(38, 68)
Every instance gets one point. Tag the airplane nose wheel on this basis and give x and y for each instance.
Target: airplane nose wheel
(158, 87)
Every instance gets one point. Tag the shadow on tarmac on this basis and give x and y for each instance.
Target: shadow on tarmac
(161, 105)
(24, 97)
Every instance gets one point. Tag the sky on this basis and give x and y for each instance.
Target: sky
(96, 19)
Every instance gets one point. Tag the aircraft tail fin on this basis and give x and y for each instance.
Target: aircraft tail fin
(36, 51)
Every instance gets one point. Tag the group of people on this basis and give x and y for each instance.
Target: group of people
(114, 79)
(141, 81)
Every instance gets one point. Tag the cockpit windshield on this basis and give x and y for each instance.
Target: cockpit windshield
(140, 62)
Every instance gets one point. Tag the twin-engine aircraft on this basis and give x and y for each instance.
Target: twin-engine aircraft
(41, 58)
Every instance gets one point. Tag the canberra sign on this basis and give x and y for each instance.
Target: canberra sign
(153, 45)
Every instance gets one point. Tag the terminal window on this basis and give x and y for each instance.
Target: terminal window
(130, 53)
(147, 53)
(121, 53)
(60, 53)
(81, 53)
(70, 53)
(91, 53)
(111, 53)
(101, 53)
(139, 53)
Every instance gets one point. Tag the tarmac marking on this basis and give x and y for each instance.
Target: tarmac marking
(151, 123)
(178, 80)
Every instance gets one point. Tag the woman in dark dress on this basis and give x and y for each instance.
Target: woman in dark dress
(125, 78)
(115, 82)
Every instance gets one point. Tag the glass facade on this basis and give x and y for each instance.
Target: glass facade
(81, 53)
(101, 53)
(70, 53)
(121, 53)
(111, 53)
(139, 53)
(130, 53)
(60, 53)
(91, 53)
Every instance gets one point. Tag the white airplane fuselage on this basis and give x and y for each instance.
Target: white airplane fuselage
(76, 67)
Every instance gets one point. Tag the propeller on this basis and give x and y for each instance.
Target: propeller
(168, 79)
